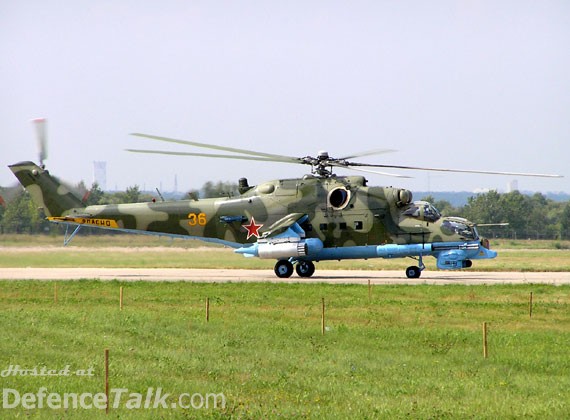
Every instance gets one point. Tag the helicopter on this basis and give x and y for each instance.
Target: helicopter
(297, 222)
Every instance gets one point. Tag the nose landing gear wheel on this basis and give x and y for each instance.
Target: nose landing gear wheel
(413, 272)
(283, 269)
(305, 268)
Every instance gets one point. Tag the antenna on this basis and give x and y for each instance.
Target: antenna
(159, 194)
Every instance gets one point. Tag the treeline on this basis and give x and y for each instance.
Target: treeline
(18, 213)
(528, 216)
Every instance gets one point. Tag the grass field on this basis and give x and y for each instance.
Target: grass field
(141, 251)
(409, 351)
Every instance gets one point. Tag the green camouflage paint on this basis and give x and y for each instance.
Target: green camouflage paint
(342, 211)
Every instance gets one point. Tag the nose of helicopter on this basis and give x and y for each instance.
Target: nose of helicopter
(485, 249)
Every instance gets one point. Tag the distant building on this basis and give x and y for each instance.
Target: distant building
(100, 174)
(512, 186)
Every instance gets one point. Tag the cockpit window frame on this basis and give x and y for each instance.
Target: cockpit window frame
(431, 214)
(422, 210)
(461, 228)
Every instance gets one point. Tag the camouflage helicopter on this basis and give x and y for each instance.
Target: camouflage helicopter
(297, 222)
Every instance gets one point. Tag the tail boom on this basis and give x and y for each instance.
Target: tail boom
(47, 191)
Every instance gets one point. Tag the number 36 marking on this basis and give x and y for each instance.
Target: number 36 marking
(197, 219)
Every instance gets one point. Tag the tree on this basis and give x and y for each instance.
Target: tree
(515, 210)
(211, 190)
(22, 216)
(95, 195)
(565, 222)
(444, 206)
(3, 205)
(484, 208)
(537, 220)
(132, 194)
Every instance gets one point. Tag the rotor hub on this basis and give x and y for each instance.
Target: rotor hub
(322, 155)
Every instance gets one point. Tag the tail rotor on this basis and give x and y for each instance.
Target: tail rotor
(40, 124)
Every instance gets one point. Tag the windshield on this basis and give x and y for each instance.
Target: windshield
(422, 210)
(460, 228)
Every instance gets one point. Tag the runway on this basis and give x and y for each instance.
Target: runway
(321, 276)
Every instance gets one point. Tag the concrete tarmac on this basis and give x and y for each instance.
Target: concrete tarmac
(321, 276)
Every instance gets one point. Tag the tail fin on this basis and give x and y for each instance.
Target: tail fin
(46, 191)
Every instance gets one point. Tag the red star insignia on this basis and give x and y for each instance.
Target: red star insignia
(252, 229)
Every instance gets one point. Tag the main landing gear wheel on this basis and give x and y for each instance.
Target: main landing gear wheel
(305, 268)
(283, 269)
(413, 272)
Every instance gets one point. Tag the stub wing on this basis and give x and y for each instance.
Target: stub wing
(292, 222)
(284, 239)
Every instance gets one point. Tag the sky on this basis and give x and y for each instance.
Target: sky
(449, 84)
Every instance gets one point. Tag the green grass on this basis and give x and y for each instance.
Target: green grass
(87, 239)
(530, 244)
(411, 351)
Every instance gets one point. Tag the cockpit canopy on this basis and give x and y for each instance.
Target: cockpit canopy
(459, 226)
(422, 210)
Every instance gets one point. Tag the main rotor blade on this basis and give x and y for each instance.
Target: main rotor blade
(209, 155)
(368, 153)
(369, 171)
(278, 158)
(470, 171)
